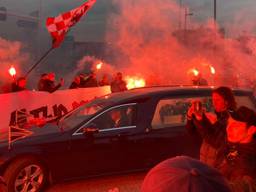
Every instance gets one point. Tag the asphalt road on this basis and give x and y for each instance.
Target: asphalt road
(121, 183)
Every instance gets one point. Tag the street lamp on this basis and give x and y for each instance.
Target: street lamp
(215, 10)
(215, 15)
(187, 13)
(180, 15)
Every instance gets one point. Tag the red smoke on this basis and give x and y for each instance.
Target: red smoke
(91, 63)
(10, 55)
(147, 35)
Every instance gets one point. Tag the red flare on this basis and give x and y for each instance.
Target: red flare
(135, 82)
(99, 66)
(12, 71)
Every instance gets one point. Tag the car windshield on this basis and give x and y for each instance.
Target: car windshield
(82, 113)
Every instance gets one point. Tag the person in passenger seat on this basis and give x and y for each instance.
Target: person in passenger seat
(118, 118)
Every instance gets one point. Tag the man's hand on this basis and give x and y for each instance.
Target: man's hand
(192, 110)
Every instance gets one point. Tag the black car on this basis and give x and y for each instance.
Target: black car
(117, 133)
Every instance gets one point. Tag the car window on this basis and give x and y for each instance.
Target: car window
(172, 112)
(82, 113)
(117, 117)
(245, 101)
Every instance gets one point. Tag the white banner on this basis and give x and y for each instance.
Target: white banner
(44, 104)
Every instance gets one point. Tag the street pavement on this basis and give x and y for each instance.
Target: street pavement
(120, 183)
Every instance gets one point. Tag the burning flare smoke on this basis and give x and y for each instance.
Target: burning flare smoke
(12, 61)
(149, 42)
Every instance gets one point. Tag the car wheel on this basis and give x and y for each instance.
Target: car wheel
(25, 175)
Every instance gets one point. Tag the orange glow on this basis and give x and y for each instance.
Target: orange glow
(135, 82)
(212, 70)
(12, 71)
(98, 66)
(194, 71)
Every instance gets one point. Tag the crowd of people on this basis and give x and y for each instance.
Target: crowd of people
(227, 155)
(229, 139)
(82, 81)
(47, 82)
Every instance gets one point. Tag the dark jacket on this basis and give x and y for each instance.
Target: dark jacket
(103, 83)
(200, 82)
(40, 85)
(216, 149)
(90, 82)
(118, 86)
(239, 160)
(49, 86)
(213, 135)
(16, 88)
(74, 85)
(236, 160)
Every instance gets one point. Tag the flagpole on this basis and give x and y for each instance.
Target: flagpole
(39, 61)
(9, 138)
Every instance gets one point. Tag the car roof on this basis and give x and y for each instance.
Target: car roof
(166, 90)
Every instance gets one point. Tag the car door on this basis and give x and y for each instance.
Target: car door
(167, 136)
(103, 151)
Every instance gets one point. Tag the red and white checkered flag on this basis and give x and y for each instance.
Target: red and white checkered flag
(59, 26)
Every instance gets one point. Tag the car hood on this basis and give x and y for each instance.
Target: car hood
(37, 134)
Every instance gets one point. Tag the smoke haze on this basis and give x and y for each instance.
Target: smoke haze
(11, 54)
(146, 41)
(143, 32)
